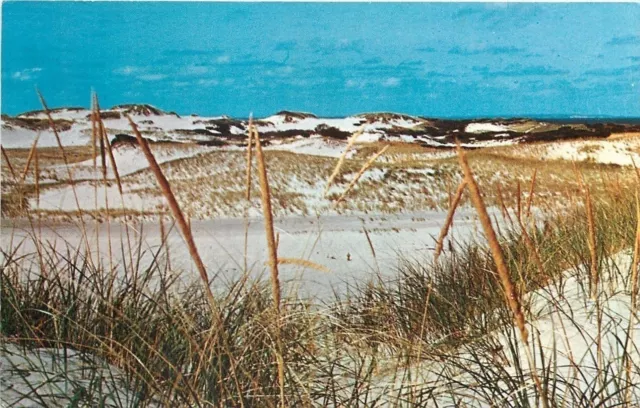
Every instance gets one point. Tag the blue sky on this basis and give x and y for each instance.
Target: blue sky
(448, 60)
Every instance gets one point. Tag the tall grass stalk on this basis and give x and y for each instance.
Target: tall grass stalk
(32, 151)
(265, 195)
(531, 192)
(512, 296)
(6, 159)
(305, 263)
(364, 168)
(592, 245)
(341, 160)
(175, 210)
(633, 283)
(249, 158)
(449, 220)
(109, 150)
(67, 165)
(36, 177)
(102, 134)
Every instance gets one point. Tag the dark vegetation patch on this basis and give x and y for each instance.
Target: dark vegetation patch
(38, 124)
(289, 116)
(332, 132)
(566, 133)
(57, 110)
(140, 109)
(122, 139)
(384, 117)
(197, 132)
(222, 126)
(212, 142)
(108, 115)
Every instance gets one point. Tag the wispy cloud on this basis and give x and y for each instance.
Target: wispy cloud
(280, 71)
(341, 46)
(151, 77)
(493, 50)
(128, 70)
(151, 74)
(355, 83)
(391, 82)
(223, 59)
(518, 70)
(26, 74)
(625, 40)
(208, 82)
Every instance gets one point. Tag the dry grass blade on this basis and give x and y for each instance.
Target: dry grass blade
(305, 263)
(373, 251)
(633, 288)
(636, 256)
(592, 245)
(100, 129)
(57, 136)
(635, 269)
(519, 201)
(449, 220)
(94, 131)
(532, 248)
(107, 145)
(341, 160)
(531, 192)
(36, 174)
(265, 194)
(579, 177)
(6, 159)
(65, 159)
(175, 209)
(249, 157)
(503, 207)
(361, 172)
(164, 238)
(511, 295)
(34, 146)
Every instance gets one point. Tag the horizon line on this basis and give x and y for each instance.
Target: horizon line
(552, 116)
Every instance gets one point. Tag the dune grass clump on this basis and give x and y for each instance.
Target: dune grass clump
(156, 330)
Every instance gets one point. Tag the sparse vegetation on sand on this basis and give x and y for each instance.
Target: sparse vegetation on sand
(541, 312)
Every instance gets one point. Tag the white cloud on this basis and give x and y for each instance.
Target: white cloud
(128, 70)
(391, 82)
(356, 83)
(151, 77)
(208, 82)
(280, 71)
(25, 74)
(223, 59)
(362, 83)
